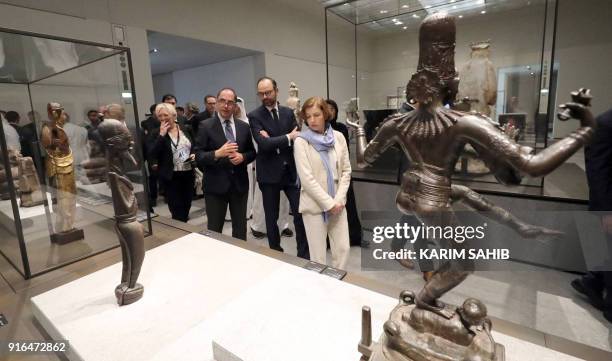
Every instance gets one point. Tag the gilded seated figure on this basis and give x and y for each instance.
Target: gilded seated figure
(60, 170)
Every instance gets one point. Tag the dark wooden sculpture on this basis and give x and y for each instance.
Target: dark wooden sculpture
(118, 142)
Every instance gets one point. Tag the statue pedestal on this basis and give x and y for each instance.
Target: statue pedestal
(126, 295)
(72, 235)
(257, 307)
(416, 334)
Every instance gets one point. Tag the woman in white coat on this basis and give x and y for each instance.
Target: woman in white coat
(324, 169)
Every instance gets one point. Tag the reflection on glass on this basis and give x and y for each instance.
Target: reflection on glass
(504, 72)
(83, 78)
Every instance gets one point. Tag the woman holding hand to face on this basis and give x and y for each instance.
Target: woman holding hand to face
(324, 169)
(173, 150)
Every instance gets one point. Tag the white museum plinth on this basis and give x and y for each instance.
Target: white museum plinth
(199, 290)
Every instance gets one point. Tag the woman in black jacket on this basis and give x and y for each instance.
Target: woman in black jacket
(172, 147)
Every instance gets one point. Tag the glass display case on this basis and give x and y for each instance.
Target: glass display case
(36, 70)
(505, 59)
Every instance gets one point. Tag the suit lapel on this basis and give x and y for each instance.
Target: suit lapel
(271, 124)
(219, 129)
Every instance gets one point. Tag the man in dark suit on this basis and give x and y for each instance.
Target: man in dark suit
(149, 129)
(274, 128)
(597, 285)
(210, 102)
(223, 149)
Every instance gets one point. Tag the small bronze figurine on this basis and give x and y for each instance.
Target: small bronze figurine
(60, 170)
(433, 136)
(118, 141)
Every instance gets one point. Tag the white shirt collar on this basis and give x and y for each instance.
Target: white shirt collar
(274, 107)
(231, 119)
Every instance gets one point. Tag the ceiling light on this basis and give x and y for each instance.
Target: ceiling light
(346, 4)
(399, 23)
(454, 6)
(384, 11)
(483, 12)
(416, 16)
(452, 1)
(154, 50)
(394, 20)
(460, 16)
(405, 6)
(405, 27)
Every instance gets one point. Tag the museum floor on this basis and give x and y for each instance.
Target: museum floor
(537, 306)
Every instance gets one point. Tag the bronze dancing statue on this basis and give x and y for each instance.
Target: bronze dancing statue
(118, 142)
(432, 136)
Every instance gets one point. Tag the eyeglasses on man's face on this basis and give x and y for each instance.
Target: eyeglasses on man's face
(267, 93)
(226, 102)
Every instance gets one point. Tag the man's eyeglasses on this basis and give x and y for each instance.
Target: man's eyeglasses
(224, 102)
(266, 94)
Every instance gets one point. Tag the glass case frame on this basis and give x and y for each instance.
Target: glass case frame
(31, 77)
(350, 21)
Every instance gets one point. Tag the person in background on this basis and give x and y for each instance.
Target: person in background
(597, 285)
(149, 128)
(13, 118)
(355, 233)
(240, 113)
(274, 128)
(210, 102)
(171, 149)
(27, 133)
(94, 120)
(324, 168)
(180, 112)
(171, 99)
(191, 111)
(224, 149)
(10, 134)
(79, 144)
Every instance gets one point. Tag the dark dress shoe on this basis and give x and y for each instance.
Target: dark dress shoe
(287, 233)
(257, 234)
(594, 297)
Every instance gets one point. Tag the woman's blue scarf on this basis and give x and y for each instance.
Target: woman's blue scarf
(322, 143)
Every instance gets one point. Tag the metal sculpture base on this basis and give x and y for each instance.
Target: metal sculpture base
(414, 334)
(126, 295)
(72, 235)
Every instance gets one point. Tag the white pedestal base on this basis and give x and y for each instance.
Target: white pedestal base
(199, 290)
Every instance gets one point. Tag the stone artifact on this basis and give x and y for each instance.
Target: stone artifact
(421, 327)
(293, 102)
(60, 170)
(14, 155)
(29, 186)
(478, 79)
(118, 141)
